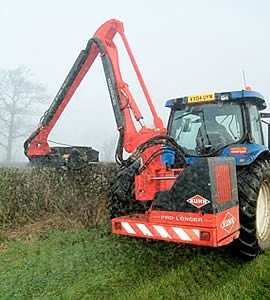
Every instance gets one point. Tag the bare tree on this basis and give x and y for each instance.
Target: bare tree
(20, 99)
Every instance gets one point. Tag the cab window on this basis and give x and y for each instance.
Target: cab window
(255, 125)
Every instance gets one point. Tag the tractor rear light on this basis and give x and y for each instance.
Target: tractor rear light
(205, 236)
(117, 226)
(239, 150)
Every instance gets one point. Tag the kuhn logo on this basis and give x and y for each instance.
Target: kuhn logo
(198, 201)
(228, 222)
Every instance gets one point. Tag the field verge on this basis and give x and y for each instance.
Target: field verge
(95, 264)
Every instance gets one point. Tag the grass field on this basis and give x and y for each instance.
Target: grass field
(94, 264)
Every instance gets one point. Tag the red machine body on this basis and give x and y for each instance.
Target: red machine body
(207, 213)
(203, 211)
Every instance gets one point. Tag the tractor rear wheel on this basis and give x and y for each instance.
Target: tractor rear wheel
(254, 205)
(122, 200)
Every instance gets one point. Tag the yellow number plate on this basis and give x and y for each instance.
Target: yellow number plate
(201, 98)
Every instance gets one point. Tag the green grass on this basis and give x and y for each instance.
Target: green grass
(97, 265)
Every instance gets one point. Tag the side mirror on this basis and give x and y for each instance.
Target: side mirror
(265, 115)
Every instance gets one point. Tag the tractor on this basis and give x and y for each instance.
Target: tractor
(203, 180)
(222, 194)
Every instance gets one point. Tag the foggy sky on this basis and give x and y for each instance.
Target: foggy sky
(182, 48)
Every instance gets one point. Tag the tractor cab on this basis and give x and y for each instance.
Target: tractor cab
(209, 124)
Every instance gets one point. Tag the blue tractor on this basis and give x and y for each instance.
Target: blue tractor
(229, 124)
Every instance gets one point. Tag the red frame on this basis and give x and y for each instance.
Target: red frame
(182, 227)
(132, 137)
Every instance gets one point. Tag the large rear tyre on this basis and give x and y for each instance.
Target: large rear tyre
(254, 204)
(122, 200)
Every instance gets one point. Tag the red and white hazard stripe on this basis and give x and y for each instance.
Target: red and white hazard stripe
(161, 232)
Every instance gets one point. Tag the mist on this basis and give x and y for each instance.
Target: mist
(182, 48)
